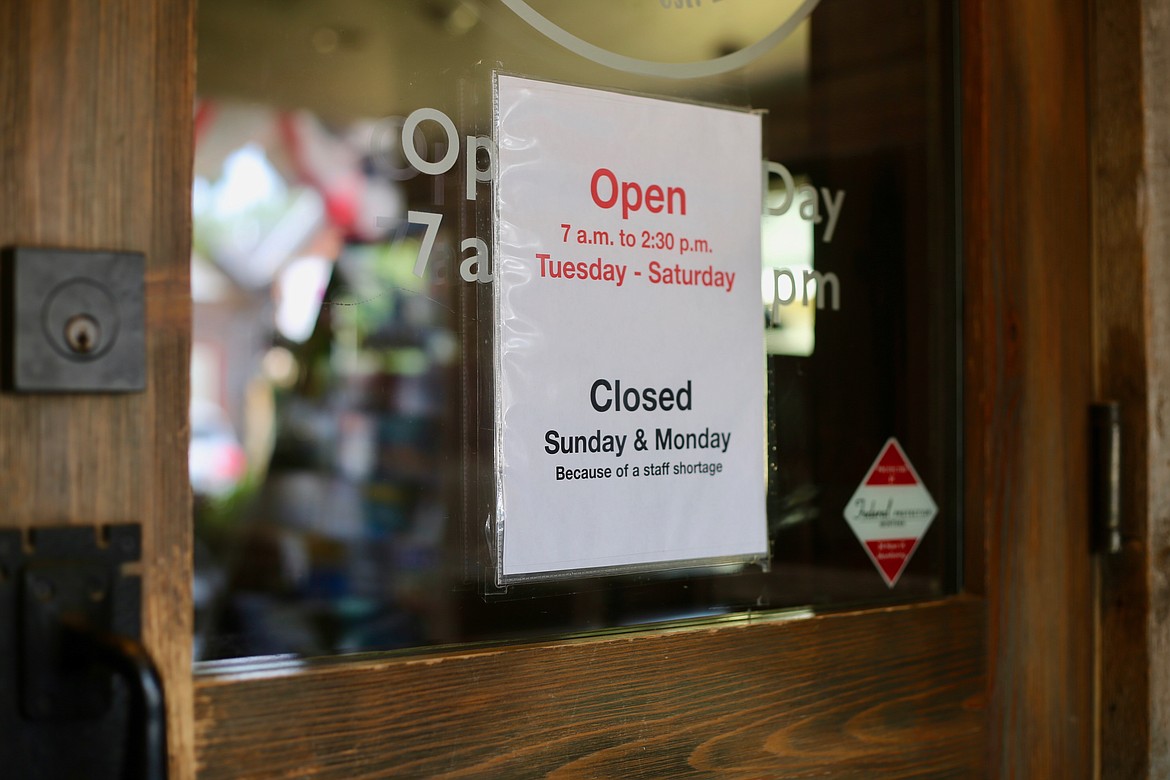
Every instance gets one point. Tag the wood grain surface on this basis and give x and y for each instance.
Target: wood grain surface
(885, 693)
(1028, 380)
(1121, 365)
(95, 153)
(1155, 220)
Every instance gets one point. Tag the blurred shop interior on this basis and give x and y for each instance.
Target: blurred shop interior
(340, 452)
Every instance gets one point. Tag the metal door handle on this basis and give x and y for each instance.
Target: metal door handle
(70, 618)
(146, 728)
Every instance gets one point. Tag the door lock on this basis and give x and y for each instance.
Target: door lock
(76, 321)
(83, 334)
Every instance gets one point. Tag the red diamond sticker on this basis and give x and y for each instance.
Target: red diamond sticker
(891, 468)
(890, 511)
(891, 555)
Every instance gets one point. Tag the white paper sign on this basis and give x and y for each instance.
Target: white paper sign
(630, 358)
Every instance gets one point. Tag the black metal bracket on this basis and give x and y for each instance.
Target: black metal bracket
(79, 696)
(1106, 421)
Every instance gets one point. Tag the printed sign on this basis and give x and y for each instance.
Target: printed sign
(890, 511)
(630, 357)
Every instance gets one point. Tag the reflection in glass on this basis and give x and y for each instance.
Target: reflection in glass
(341, 369)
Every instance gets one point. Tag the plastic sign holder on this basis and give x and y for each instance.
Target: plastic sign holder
(629, 334)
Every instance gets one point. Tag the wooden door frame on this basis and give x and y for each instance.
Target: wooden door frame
(95, 150)
(1131, 232)
(96, 153)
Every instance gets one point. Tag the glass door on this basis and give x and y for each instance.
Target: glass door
(350, 621)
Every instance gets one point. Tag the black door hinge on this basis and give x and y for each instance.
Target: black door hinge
(1106, 519)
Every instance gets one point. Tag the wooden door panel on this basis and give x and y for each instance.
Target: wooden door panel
(1028, 383)
(95, 144)
(885, 693)
(1006, 671)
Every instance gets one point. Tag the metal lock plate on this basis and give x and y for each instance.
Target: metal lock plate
(76, 320)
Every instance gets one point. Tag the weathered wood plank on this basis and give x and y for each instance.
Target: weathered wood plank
(1155, 218)
(1028, 378)
(889, 693)
(95, 153)
(1120, 361)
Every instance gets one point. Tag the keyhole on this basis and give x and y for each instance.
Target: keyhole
(82, 333)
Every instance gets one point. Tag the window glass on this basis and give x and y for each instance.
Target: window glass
(343, 382)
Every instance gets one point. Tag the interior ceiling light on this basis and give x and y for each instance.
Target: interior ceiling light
(326, 40)
(456, 17)
(461, 18)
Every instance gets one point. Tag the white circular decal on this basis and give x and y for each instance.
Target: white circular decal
(670, 70)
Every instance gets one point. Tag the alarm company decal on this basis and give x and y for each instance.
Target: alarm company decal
(890, 511)
(629, 339)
